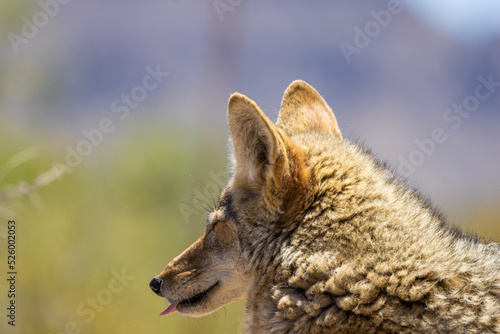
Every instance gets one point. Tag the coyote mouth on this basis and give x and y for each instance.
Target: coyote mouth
(198, 297)
(190, 301)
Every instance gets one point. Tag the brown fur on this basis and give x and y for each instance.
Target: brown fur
(318, 237)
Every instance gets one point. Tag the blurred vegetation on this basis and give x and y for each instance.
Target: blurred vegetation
(119, 210)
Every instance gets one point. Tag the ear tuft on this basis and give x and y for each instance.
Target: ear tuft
(304, 110)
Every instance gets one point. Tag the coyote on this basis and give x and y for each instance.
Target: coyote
(317, 236)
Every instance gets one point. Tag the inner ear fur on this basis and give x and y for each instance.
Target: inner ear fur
(303, 110)
(258, 145)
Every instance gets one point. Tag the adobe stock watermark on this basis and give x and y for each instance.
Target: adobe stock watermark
(203, 199)
(223, 6)
(31, 26)
(364, 36)
(94, 304)
(120, 109)
(454, 118)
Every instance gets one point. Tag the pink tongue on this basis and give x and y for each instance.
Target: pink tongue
(171, 309)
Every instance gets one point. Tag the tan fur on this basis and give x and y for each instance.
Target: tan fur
(318, 237)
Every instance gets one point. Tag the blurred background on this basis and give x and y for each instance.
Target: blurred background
(113, 130)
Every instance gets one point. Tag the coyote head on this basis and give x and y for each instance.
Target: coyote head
(263, 201)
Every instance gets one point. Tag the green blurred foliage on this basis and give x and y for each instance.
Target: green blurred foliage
(118, 210)
(11, 11)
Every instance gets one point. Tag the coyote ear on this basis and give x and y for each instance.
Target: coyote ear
(256, 141)
(304, 110)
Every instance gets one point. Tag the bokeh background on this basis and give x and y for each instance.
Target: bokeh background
(135, 197)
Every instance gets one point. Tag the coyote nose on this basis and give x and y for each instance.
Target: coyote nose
(155, 285)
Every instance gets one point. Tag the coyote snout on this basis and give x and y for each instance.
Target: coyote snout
(207, 275)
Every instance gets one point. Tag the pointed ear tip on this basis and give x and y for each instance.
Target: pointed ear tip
(235, 97)
(299, 82)
(238, 99)
(299, 85)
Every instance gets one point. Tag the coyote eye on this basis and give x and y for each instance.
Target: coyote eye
(210, 222)
(212, 218)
